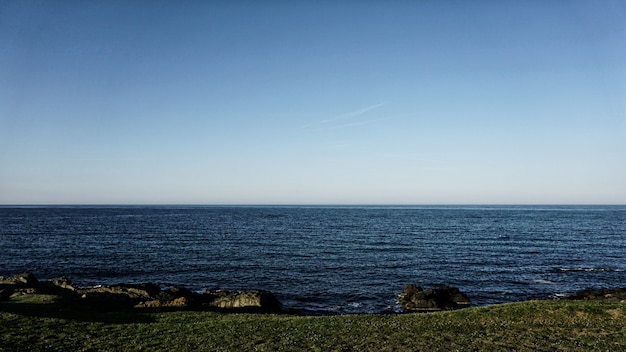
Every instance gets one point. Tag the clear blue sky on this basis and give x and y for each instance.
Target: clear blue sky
(402, 102)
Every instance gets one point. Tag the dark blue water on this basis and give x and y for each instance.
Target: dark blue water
(325, 259)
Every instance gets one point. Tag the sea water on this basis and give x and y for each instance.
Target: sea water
(324, 259)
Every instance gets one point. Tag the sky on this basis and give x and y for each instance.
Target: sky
(303, 102)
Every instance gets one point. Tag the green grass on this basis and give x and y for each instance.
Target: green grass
(45, 324)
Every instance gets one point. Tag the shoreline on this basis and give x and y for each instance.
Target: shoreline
(150, 297)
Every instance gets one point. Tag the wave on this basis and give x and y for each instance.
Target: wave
(589, 270)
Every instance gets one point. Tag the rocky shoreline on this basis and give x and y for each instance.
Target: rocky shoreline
(152, 297)
(146, 297)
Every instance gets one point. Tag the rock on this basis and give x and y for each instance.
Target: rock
(61, 286)
(459, 298)
(18, 285)
(254, 301)
(173, 292)
(24, 280)
(180, 302)
(608, 295)
(120, 297)
(138, 292)
(416, 299)
(23, 292)
(64, 283)
(171, 298)
(125, 297)
(149, 304)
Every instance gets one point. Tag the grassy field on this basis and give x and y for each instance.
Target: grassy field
(41, 323)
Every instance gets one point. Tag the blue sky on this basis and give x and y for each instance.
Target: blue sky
(293, 102)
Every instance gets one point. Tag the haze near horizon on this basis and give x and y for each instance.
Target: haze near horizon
(432, 102)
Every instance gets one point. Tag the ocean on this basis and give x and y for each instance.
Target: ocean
(324, 259)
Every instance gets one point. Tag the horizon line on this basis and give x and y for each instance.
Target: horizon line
(298, 204)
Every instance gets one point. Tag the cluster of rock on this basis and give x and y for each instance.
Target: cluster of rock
(150, 296)
(141, 296)
(416, 299)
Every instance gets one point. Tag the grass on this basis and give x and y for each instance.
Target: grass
(43, 323)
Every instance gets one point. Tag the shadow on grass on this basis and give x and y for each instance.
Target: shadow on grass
(60, 308)
(71, 308)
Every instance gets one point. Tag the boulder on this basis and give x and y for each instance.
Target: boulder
(253, 301)
(416, 299)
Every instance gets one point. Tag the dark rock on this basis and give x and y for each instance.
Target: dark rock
(64, 283)
(18, 285)
(416, 299)
(24, 280)
(61, 286)
(138, 292)
(120, 297)
(180, 302)
(23, 292)
(5, 293)
(608, 295)
(175, 297)
(173, 292)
